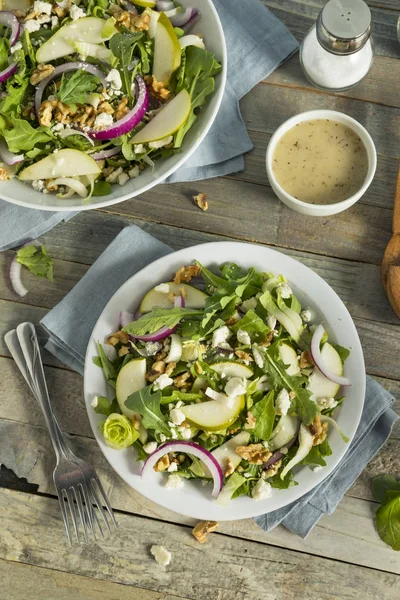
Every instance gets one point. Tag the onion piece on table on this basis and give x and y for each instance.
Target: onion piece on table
(9, 20)
(189, 448)
(318, 360)
(8, 157)
(15, 278)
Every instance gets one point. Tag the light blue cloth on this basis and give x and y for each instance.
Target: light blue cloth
(69, 326)
(257, 43)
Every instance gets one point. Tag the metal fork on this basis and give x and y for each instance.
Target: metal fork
(77, 484)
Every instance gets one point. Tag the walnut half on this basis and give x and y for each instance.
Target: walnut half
(255, 454)
(202, 529)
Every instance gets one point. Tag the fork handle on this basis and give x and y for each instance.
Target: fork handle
(29, 344)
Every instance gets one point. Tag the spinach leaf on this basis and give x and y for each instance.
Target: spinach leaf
(23, 136)
(282, 484)
(122, 46)
(102, 188)
(147, 404)
(314, 457)
(183, 396)
(160, 317)
(253, 325)
(264, 413)
(75, 88)
(382, 484)
(16, 90)
(343, 352)
(110, 372)
(388, 522)
(105, 407)
(36, 260)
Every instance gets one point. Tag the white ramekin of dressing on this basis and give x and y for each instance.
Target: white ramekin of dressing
(323, 208)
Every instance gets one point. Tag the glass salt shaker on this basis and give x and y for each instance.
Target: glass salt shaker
(337, 52)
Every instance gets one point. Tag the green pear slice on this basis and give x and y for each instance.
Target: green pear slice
(167, 121)
(289, 358)
(223, 453)
(144, 3)
(64, 163)
(232, 369)
(193, 298)
(318, 384)
(167, 50)
(88, 29)
(131, 378)
(214, 415)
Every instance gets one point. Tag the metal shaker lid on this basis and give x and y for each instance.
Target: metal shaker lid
(344, 26)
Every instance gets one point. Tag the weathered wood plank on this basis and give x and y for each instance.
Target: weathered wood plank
(380, 86)
(348, 535)
(22, 581)
(225, 568)
(300, 16)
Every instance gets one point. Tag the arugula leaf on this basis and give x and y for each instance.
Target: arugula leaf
(264, 413)
(183, 396)
(388, 522)
(141, 454)
(147, 404)
(282, 484)
(305, 408)
(145, 49)
(209, 277)
(209, 442)
(314, 457)
(160, 317)
(122, 46)
(343, 352)
(325, 448)
(235, 486)
(253, 325)
(102, 188)
(23, 136)
(75, 88)
(16, 89)
(382, 484)
(110, 372)
(105, 407)
(28, 48)
(4, 53)
(36, 260)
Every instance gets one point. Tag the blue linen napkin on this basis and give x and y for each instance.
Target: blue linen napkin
(69, 326)
(257, 43)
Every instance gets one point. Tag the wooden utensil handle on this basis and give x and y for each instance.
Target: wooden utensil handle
(396, 210)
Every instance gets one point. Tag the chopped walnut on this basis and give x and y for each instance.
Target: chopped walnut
(41, 72)
(3, 174)
(250, 421)
(61, 12)
(122, 109)
(123, 351)
(136, 421)
(171, 297)
(305, 360)
(157, 88)
(20, 14)
(232, 431)
(46, 112)
(32, 15)
(268, 339)
(244, 356)
(156, 370)
(162, 464)
(201, 201)
(183, 293)
(185, 274)
(49, 185)
(255, 454)
(130, 20)
(198, 367)
(160, 355)
(318, 430)
(170, 367)
(182, 380)
(117, 337)
(273, 469)
(229, 468)
(85, 115)
(202, 529)
(105, 107)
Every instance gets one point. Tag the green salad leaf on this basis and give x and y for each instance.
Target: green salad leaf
(160, 317)
(105, 407)
(314, 457)
(36, 260)
(75, 88)
(109, 369)
(236, 485)
(4, 53)
(264, 413)
(22, 136)
(122, 45)
(176, 395)
(147, 404)
(383, 484)
(118, 431)
(343, 352)
(252, 324)
(388, 522)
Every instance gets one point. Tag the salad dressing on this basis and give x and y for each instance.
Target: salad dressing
(320, 162)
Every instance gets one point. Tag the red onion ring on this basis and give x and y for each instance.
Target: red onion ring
(74, 66)
(319, 362)
(106, 153)
(179, 302)
(8, 157)
(189, 448)
(9, 20)
(183, 17)
(161, 334)
(192, 22)
(8, 72)
(130, 120)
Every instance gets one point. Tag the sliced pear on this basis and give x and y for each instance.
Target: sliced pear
(88, 29)
(194, 298)
(65, 163)
(283, 432)
(222, 453)
(233, 369)
(318, 384)
(200, 384)
(131, 378)
(167, 121)
(290, 359)
(167, 51)
(154, 16)
(145, 3)
(214, 415)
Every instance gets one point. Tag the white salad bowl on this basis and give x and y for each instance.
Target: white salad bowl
(194, 499)
(18, 192)
(321, 210)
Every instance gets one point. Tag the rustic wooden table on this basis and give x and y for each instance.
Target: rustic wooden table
(343, 557)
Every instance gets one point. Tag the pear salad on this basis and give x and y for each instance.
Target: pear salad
(225, 379)
(92, 92)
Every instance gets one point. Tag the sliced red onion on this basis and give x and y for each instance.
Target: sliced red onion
(106, 153)
(15, 277)
(179, 302)
(163, 5)
(183, 17)
(9, 20)
(161, 334)
(8, 72)
(317, 358)
(189, 448)
(74, 66)
(8, 157)
(130, 120)
(279, 454)
(192, 22)
(125, 318)
(67, 132)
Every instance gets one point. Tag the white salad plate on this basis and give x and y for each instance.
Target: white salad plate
(194, 499)
(21, 193)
